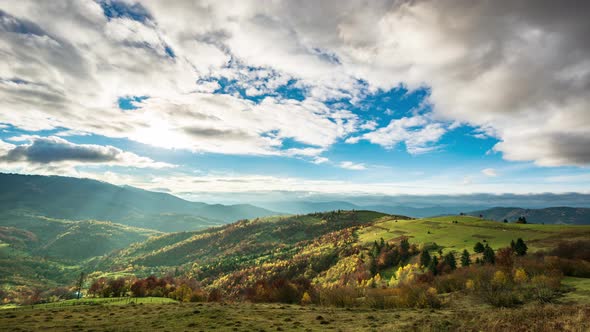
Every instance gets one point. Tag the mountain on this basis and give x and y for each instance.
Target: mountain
(551, 215)
(303, 207)
(81, 199)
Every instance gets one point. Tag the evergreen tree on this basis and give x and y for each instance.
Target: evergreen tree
(505, 221)
(520, 247)
(450, 260)
(465, 258)
(373, 266)
(432, 267)
(425, 258)
(478, 248)
(489, 255)
(375, 250)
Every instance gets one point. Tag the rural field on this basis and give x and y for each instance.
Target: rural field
(285, 317)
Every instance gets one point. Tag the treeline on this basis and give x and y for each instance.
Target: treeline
(181, 289)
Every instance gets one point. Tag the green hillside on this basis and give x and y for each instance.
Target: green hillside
(321, 247)
(552, 215)
(85, 199)
(247, 241)
(467, 230)
(42, 252)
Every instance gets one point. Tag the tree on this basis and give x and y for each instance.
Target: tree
(521, 220)
(505, 258)
(465, 258)
(520, 247)
(373, 266)
(450, 260)
(432, 267)
(478, 248)
(505, 221)
(425, 258)
(488, 255)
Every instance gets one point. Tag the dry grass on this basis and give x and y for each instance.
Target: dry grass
(276, 317)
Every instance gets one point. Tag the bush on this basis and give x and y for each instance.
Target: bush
(544, 288)
(339, 296)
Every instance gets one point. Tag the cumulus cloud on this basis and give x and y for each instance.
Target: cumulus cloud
(417, 133)
(54, 150)
(518, 70)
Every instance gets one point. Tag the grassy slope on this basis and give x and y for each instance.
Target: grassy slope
(246, 238)
(277, 317)
(470, 230)
(44, 252)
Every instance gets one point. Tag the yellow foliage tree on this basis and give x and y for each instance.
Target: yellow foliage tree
(306, 299)
(520, 276)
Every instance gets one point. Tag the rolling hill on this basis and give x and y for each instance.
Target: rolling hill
(320, 246)
(81, 199)
(41, 252)
(551, 215)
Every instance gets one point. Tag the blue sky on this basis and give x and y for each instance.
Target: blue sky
(252, 100)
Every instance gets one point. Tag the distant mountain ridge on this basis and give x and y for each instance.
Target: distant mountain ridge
(82, 199)
(304, 207)
(551, 215)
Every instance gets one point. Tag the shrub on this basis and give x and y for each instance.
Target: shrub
(544, 288)
(339, 296)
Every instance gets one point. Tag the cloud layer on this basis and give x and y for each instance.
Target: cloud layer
(247, 77)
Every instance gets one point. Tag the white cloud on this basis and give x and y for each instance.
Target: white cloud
(352, 166)
(489, 172)
(519, 69)
(416, 132)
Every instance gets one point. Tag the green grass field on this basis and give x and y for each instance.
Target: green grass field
(470, 230)
(580, 290)
(93, 301)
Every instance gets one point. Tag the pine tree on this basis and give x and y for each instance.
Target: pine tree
(425, 258)
(432, 267)
(450, 260)
(465, 258)
(520, 247)
(489, 255)
(478, 248)
(373, 266)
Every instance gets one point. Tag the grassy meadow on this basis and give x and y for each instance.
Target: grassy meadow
(463, 315)
(469, 230)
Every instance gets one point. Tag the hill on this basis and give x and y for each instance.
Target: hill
(81, 199)
(551, 215)
(320, 247)
(40, 252)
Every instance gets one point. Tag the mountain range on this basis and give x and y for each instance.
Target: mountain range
(85, 199)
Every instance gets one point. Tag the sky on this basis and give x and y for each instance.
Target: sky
(220, 98)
